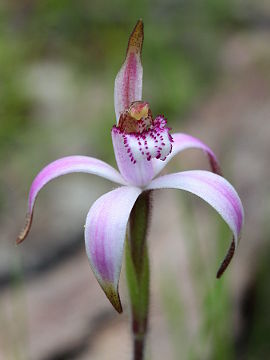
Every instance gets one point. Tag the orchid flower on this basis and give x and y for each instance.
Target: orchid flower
(143, 145)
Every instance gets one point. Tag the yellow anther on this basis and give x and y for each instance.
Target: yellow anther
(139, 110)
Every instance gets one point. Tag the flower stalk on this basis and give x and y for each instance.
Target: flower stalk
(137, 271)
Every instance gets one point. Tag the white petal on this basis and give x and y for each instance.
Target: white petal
(217, 192)
(63, 166)
(105, 232)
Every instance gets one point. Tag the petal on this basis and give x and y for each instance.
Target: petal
(135, 151)
(182, 142)
(139, 173)
(66, 165)
(128, 82)
(215, 190)
(105, 232)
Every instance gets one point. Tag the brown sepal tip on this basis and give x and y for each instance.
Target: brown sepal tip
(25, 230)
(113, 296)
(226, 262)
(135, 41)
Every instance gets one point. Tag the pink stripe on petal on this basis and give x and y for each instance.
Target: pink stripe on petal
(66, 165)
(216, 191)
(128, 82)
(105, 232)
(182, 142)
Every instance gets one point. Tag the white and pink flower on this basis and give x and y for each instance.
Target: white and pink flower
(143, 145)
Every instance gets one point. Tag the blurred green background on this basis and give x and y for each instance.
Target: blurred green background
(207, 69)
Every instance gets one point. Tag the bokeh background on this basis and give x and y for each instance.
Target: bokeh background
(207, 68)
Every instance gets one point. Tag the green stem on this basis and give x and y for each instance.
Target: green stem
(137, 268)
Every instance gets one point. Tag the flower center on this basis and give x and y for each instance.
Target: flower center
(136, 119)
(142, 136)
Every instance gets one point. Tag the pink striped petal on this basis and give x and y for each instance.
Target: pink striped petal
(128, 82)
(105, 232)
(61, 167)
(215, 190)
(182, 142)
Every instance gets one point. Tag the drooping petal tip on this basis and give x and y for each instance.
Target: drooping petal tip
(25, 230)
(217, 192)
(113, 295)
(63, 166)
